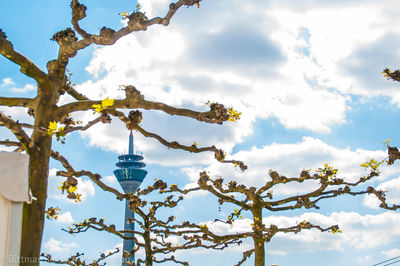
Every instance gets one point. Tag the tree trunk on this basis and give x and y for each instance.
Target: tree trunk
(259, 249)
(147, 245)
(39, 155)
(33, 214)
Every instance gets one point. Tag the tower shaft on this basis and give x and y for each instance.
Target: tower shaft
(128, 244)
(131, 144)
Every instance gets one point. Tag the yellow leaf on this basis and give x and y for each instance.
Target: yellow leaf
(78, 198)
(71, 189)
(197, 4)
(97, 108)
(107, 102)
(137, 6)
(53, 126)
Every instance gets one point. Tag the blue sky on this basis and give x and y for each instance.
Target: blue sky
(306, 76)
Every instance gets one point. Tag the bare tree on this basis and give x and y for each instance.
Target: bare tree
(256, 200)
(52, 120)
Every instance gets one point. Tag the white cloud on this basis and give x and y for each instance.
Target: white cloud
(8, 149)
(66, 217)
(238, 226)
(299, 79)
(52, 172)
(26, 88)
(391, 253)
(290, 159)
(18, 113)
(149, 6)
(54, 246)
(7, 82)
(110, 180)
(158, 71)
(364, 259)
(10, 84)
(277, 252)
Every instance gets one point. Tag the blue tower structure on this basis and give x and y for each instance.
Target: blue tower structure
(129, 175)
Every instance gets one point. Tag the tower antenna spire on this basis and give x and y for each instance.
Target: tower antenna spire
(131, 150)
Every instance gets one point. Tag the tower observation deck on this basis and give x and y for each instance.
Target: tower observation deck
(130, 176)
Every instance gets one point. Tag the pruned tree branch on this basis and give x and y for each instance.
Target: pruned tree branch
(70, 45)
(69, 129)
(135, 100)
(137, 21)
(395, 75)
(76, 260)
(246, 255)
(14, 101)
(17, 130)
(74, 93)
(94, 177)
(9, 143)
(393, 154)
(172, 258)
(27, 66)
(135, 117)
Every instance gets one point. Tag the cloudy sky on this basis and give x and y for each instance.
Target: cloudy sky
(306, 76)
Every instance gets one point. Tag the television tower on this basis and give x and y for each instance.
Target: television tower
(129, 175)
